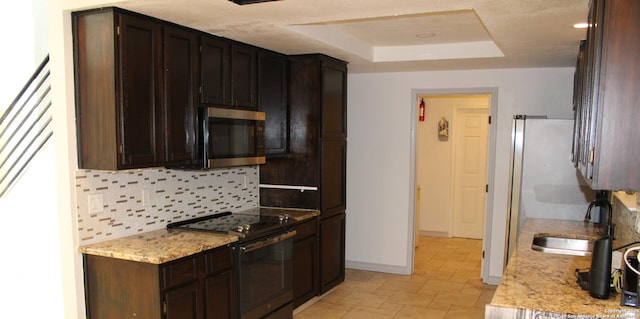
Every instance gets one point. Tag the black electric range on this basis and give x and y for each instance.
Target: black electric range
(245, 226)
(263, 260)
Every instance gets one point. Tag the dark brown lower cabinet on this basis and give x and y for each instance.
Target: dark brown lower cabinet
(181, 302)
(305, 262)
(220, 296)
(332, 251)
(200, 286)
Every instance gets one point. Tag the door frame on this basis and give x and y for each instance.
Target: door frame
(491, 158)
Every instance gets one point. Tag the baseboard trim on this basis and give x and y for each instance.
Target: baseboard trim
(379, 268)
(434, 233)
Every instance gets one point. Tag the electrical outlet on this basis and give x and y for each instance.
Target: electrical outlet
(146, 198)
(95, 203)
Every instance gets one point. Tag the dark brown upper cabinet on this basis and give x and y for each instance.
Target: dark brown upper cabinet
(244, 60)
(272, 88)
(334, 99)
(606, 134)
(228, 73)
(134, 91)
(180, 56)
(215, 87)
(316, 143)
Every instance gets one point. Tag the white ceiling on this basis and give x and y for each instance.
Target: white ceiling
(381, 35)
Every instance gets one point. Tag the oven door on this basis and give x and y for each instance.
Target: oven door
(265, 275)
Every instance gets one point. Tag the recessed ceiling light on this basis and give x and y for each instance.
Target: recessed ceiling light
(581, 25)
(425, 35)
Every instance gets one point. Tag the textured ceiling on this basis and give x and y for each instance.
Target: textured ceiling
(380, 35)
(401, 30)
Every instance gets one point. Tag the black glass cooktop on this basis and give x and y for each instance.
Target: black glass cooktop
(245, 226)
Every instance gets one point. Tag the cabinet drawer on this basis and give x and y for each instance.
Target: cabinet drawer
(218, 260)
(179, 272)
(306, 229)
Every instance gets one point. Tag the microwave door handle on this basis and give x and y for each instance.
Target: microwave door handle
(267, 242)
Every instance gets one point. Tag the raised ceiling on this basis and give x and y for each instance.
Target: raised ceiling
(394, 35)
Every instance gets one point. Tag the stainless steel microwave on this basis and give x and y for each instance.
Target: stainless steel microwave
(231, 137)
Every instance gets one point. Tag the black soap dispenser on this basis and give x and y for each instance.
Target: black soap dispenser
(600, 272)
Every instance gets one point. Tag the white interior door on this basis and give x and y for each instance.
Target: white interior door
(470, 132)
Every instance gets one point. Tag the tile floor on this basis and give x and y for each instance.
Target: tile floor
(446, 285)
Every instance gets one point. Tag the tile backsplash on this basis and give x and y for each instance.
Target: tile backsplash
(135, 201)
(624, 216)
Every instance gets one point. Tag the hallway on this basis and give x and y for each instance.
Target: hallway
(446, 285)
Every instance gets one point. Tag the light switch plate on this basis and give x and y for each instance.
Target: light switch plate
(96, 203)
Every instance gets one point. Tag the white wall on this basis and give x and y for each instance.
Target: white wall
(29, 243)
(17, 63)
(29, 238)
(379, 177)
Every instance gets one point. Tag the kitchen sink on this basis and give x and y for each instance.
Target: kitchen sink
(557, 244)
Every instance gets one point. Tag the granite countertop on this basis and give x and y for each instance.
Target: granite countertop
(541, 285)
(164, 245)
(158, 246)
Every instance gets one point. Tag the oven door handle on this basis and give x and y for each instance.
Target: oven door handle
(267, 242)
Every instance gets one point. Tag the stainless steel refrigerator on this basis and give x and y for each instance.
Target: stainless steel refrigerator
(544, 181)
